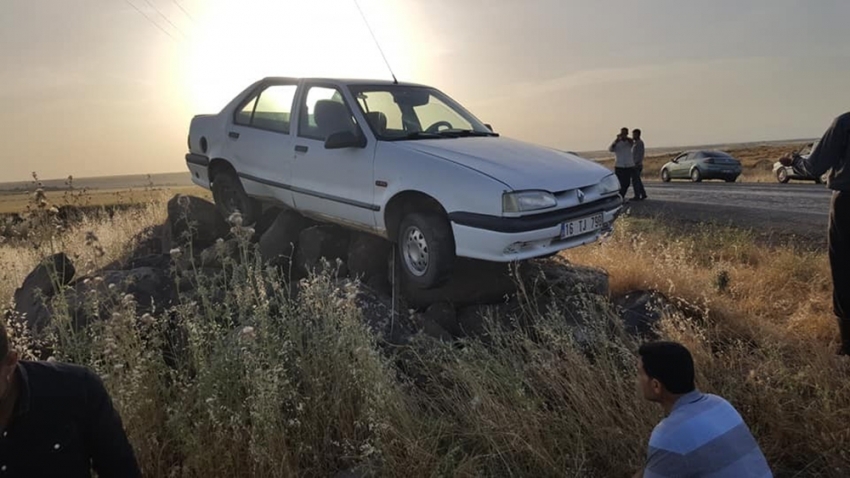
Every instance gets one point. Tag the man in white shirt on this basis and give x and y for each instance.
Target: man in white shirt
(624, 164)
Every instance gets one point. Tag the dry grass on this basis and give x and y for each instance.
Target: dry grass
(275, 386)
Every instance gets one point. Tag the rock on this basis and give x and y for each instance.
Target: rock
(376, 312)
(433, 329)
(278, 243)
(470, 320)
(445, 316)
(194, 219)
(152, 240)
(155, 261)
(317, 242)
(557, 274)
(473, 282)
(368, 256)
(40, 285)
(153, 291)
(214, 256)
(640, 311)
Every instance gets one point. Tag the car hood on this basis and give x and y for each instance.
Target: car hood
(515, 163)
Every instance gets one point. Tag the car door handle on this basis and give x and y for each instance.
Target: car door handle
(301, 149)
(233, 134)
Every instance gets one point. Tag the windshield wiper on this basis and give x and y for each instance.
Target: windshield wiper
(463, 133)
(417, 135)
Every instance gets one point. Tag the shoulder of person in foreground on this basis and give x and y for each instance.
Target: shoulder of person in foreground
(111, 453)
(711, 436)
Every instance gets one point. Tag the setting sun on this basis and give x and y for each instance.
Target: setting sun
(234, 44)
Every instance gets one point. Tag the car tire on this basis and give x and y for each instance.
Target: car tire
(229, 196)
(821, 180)
(665, 175)
(782, 176)
(426, 249)
(732, 179)
(696, 175)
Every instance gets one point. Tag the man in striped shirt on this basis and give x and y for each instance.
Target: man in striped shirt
(702, 435)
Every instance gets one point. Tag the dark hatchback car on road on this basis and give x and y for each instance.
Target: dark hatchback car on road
(700, 165)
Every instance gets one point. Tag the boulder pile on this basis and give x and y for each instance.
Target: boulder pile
(195, 236)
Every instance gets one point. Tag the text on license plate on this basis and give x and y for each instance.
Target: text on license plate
(581, 226)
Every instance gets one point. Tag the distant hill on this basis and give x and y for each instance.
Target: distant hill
(650, 151)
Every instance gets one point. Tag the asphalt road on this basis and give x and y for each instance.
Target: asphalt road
(793, 209)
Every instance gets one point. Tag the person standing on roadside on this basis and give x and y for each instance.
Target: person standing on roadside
(624, 164)
(833, 152)
(637, 156)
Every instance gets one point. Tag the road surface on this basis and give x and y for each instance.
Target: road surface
(793, 209)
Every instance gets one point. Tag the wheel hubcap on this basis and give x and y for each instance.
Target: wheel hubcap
(415, 250)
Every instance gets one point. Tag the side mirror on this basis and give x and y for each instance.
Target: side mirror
(676, 160)
(488, 126)
(344, 139)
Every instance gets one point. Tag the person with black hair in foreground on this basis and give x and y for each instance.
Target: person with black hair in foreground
(702, 435)
(57, 420)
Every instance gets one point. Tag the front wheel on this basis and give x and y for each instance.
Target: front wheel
(696, 176)
(426, 249)
(665, 175)
(782, 176)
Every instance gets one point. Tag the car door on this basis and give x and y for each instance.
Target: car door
(335, 183)
(679, 166)
(261, 142)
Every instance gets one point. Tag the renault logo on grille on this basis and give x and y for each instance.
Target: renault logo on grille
(580, 195)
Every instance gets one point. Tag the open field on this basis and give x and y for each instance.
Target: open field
(19, 202)
(297, 386)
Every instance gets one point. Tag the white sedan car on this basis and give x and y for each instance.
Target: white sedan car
(401, 161)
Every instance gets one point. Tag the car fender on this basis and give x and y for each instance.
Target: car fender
(455, 187)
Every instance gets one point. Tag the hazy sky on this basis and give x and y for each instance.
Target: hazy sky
(92, 87)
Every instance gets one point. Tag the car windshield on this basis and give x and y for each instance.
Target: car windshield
(397, 112)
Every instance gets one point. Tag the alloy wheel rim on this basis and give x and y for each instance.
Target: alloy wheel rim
(416, 255)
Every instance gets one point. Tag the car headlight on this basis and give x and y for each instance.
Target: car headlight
(527, 201)
(610, 184)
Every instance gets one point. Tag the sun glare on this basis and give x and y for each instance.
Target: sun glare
(236, 43)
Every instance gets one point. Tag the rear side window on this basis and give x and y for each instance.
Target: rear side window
(269, 110)
(274, 107)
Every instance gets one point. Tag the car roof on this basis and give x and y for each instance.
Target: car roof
(345, 81)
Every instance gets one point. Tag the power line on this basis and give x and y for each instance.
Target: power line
(376, 41)
(158, 11)
(151, 20)
(190, 17)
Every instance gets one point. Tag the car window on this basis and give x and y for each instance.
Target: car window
(682, 157)
(274, 107)
(334, 114)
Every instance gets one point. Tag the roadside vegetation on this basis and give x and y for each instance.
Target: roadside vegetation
(268, 384)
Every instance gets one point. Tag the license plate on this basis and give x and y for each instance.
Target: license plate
(581, 226)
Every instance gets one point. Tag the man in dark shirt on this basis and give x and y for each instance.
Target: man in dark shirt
(833, 152)
(57, 420)
(637, 155)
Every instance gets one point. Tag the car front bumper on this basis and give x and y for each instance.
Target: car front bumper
(499, 239)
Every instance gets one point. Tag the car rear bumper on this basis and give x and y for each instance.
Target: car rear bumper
(199, 169)
(509, 240)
